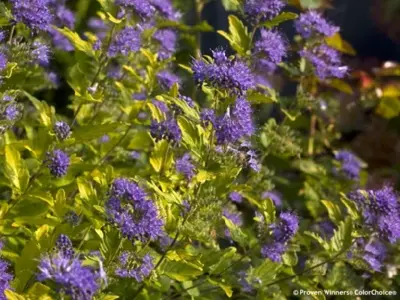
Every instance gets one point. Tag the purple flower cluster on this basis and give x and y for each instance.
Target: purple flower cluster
(262, 10)
(375, 254)
(62, 130)
(130, 210)
(185, 166)
(236, 124)
(282, 233)
(130, 267)
(41, 53)
(167, 79)
(167, 39)
(350, 164)
(236, 197)
(64, 246)
(326, 61)
(3, 61)
(313, 23)
(58, 163)
(381, 211)
(128, 40)
(71, 277)
(232, 75)
(5, 276)
(168, 130)
(36, 14)
(270, 49)
(146, 9)
(10, 112)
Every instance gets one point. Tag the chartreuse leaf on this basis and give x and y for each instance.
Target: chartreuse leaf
(283, 17)
(46, 112)
(10, 295)
(238, 35)
(231, 5)
(266, 271)
(336, 41)
(225, 287)
(180, 270)
(141, 140)
(388, 107)
(333, 211)
(237, 234)
(76, 40)
(161, 157)
(15, 169)
(39, 291)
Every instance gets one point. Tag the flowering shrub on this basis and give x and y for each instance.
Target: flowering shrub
(165, 179)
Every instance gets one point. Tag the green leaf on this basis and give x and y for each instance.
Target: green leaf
(13, 166)
(319, 239)
(388, 108)
(342, 240)
(10, 295)
(226, 288)
(238, 35)
(76, 40)
(161, 157)
(310, 167)
(224, 261)
(25, 266)
(266, 271)
(141, 140)
(231, 5)
(180, 270)
(336, 41)
(236, 232)
(39, 291)
(311, 4)
(90, 132)
(46, 112)
(283, 17)
(333, 210)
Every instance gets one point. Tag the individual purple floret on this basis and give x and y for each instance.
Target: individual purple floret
(142, 8)
(3, 61)
(326, 62)
(5, 276)
(41, 53)
(35, 14)
(62, 130)
(71, 277)
(168, 130)
(167, 39)
(58, 163)
(131, 267)
(64, 246)
(236, 197)
(375, 254)
(11, 112)
(270, 49)
(351, 165)
(127, 41)
(262, 10)
(232, 75)
(185, 166)
(276, 197)
(208, 116)
(312, 23)
(286, 228)
(167, 79)
(129, 209)
(273, 251)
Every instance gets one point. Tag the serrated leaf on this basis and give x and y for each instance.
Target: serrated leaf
(224, 261)
(342, 239)
(13, 166)
(46, 112)
(10, 295)
(180, 270)
(236, 233)
(39, 291)
(226, 288)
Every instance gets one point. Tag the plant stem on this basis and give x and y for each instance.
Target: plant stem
(11, 34)
(313, 124)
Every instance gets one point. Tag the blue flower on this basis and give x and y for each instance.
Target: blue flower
(262, 10)
(312, 23)
(131, 267)
(58, 163)
(166, 79)
(62, 130)
(127, 41)
(185, 166)
(142, 8)
(168, 130)
(3, 61)
(35, 14)
(5, 276)
(130, 210)
(236, 197)
(351, 165)
(273, 251)
(270, 49)
(167, 38)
